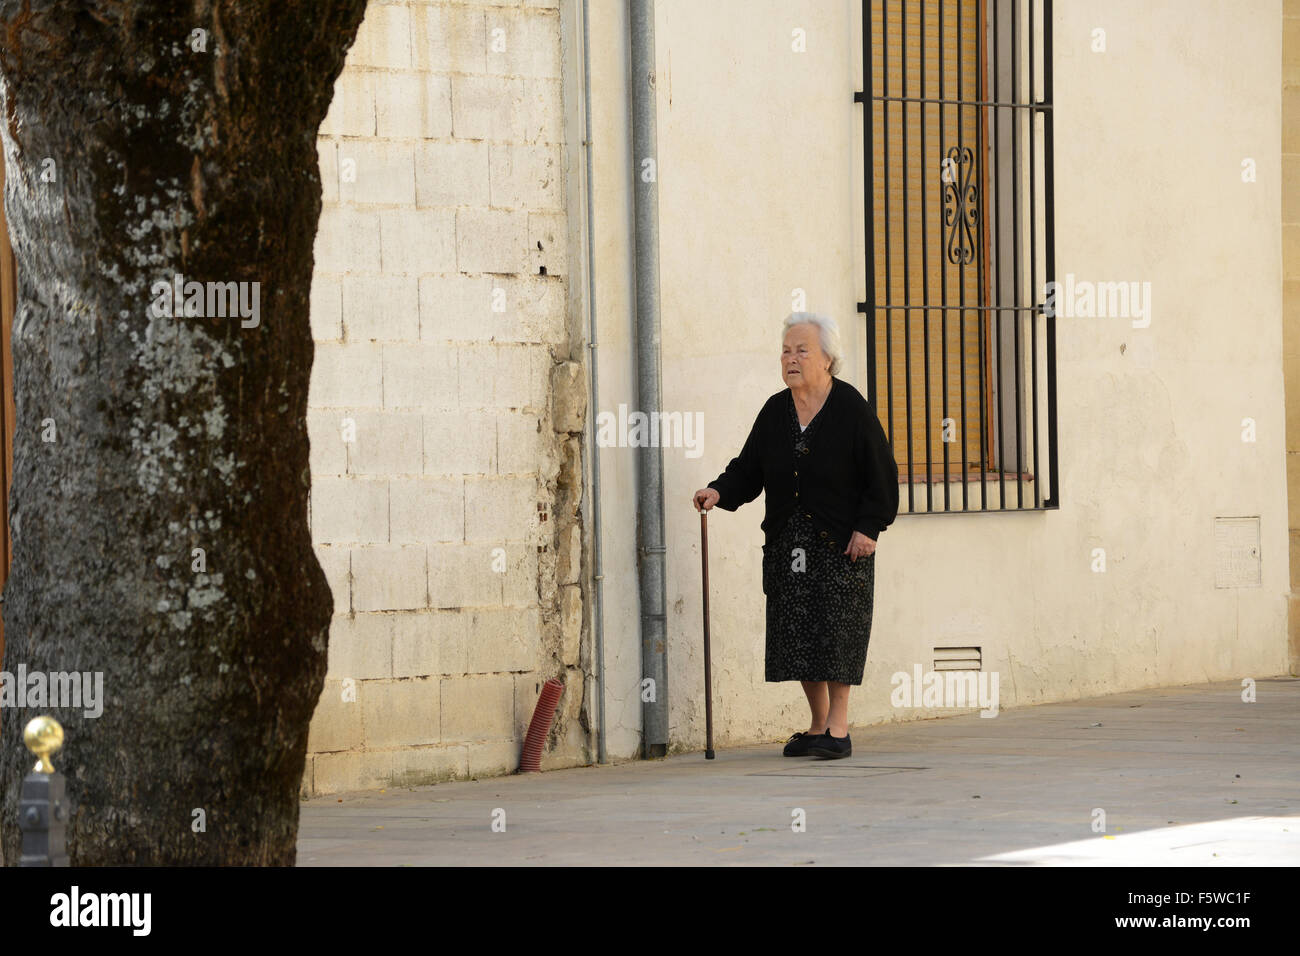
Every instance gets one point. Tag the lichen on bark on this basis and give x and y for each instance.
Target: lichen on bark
(173, 433)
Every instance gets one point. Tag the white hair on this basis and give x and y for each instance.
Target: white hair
(828, 332)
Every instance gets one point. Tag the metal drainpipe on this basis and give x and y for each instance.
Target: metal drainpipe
(650, 498)
(593, 452)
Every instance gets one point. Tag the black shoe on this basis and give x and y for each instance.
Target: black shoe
(797, 745)
(831, 747)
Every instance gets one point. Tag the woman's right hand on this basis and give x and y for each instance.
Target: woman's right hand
(705, 499)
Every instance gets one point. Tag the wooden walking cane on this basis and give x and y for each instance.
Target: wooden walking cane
(708, 685)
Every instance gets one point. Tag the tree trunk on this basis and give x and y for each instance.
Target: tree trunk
(146, 139)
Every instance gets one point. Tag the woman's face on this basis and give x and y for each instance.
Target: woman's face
(803, 363)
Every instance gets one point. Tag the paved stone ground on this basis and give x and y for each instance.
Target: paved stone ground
(1186, 775)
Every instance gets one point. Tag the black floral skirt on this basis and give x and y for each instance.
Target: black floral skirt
(818, 606)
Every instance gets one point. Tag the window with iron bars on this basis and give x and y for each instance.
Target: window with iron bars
(957, 157)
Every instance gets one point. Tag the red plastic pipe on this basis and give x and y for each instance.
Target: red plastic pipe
(543, 717)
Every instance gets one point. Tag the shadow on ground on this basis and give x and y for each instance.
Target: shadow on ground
(1185, 776)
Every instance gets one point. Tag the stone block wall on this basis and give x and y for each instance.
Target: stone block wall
(445, 485)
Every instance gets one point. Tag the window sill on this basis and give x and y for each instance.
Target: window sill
(936, 476)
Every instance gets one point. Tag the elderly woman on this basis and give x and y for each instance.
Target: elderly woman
(819, 452)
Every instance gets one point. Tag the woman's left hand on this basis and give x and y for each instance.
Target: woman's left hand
(859, 546)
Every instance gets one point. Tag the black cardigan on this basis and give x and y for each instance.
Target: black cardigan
(846, 481)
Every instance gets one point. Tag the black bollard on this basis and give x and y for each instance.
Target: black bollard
(43, 805)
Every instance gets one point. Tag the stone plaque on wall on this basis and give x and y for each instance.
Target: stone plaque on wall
(1236, 553)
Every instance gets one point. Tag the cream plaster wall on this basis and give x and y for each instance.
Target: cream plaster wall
(760, 194)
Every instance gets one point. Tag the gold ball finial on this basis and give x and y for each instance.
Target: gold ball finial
(43, 737)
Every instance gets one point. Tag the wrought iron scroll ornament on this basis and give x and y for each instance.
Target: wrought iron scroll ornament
(960, 208)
